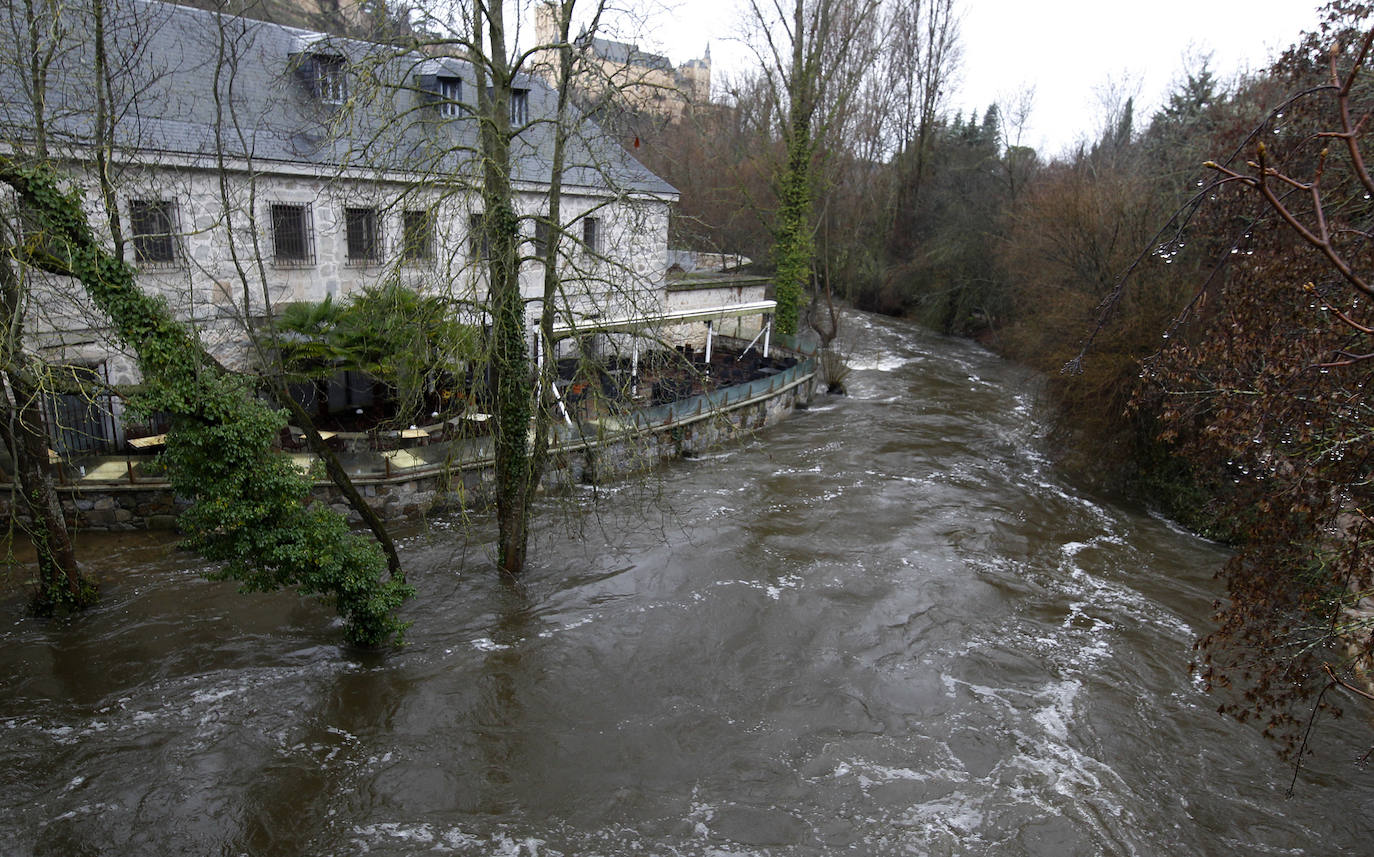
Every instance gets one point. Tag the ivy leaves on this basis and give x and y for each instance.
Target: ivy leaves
(251, 507)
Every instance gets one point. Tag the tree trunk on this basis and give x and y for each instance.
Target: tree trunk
(510, 368)
(794, 246)
(61, 585)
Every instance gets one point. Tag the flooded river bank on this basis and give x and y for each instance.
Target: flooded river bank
(887, 626)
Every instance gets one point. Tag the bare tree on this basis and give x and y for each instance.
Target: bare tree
(812, 54)
(38, 32)
(923, 54)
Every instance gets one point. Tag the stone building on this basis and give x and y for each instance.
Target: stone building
(254, 165)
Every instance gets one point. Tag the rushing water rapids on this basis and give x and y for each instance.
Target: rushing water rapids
(887, 626)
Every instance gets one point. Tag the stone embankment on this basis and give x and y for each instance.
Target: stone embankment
(115, 493)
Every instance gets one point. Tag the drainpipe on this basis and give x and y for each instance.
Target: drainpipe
(767, 332)
(709, 331)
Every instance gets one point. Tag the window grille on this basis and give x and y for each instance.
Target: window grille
(81, 422)
(417, 237)
(519, 106)
(153, 225)
(363, 236)
(591, 235)
(293, 235)
(331, 78)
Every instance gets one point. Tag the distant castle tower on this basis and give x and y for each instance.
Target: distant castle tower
(545, 23)
(695, 76)
(645, 82)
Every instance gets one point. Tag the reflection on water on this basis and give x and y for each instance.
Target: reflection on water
(886, 626)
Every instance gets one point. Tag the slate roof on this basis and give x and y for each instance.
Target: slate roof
(623, 54)
(174, 59)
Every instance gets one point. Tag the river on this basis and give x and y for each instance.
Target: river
(886, 626)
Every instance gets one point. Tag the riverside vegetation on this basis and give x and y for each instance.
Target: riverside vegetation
(1208, 253)
(1228, 339)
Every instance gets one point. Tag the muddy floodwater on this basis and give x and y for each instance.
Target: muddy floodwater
(886, 626)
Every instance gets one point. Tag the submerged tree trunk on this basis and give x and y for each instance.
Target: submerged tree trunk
(61, 587)
(510, 369)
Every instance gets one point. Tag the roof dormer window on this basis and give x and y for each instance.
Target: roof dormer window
(442, 91)
(519, 106)
(450, 96)
(331, 84)
(325, 75)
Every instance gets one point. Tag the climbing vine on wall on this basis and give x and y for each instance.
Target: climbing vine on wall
(250, 507)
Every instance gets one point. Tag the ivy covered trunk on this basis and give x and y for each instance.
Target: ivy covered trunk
(794, 246)
(510, 372)
(510, 369)
(251, 511)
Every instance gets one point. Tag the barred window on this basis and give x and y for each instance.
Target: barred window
(293, 235)
(519, 105)
(363, 236)
(331, 79)
(591, 235)
(417, 237)
(153, 225)
(81, 422)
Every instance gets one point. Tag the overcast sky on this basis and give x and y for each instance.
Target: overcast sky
(1067, 51)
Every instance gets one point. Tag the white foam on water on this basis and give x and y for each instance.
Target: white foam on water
(789, 581)
(97, 809)
(1089, 590)
(487, 644)
(1054, 716)
(549, 633)
(432, 839)
(415, 834)
(202, 697)
(794, 471)
(879, 363)
(957, 813)
(527, 847)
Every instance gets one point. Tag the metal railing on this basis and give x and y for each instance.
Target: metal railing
(447, 447)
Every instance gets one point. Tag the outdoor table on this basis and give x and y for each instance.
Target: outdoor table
(324, 435)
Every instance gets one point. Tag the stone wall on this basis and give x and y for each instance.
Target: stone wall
(707, 291)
